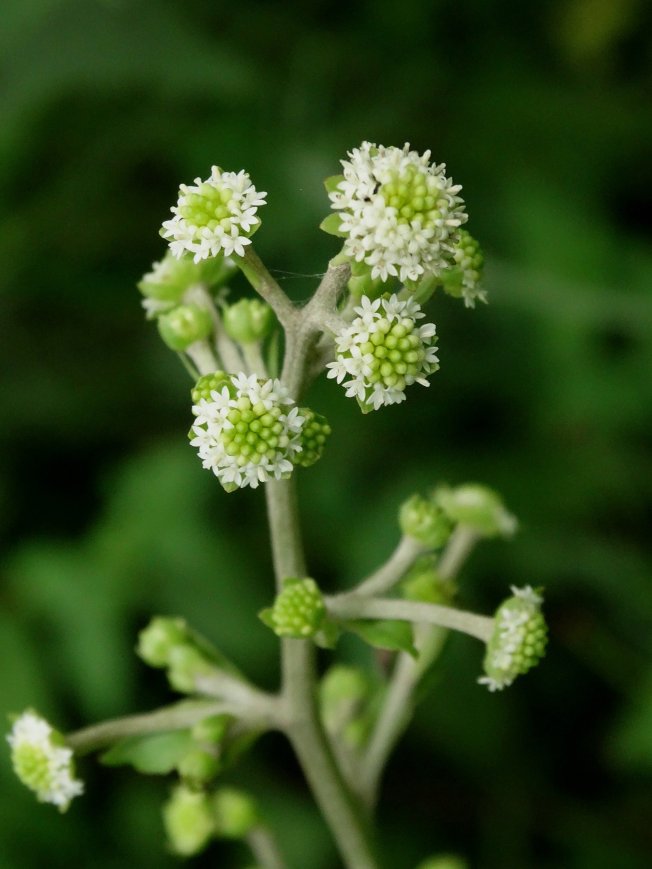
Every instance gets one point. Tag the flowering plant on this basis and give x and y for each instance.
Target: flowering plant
(400, 221)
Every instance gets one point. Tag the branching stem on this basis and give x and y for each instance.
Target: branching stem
(301, 721)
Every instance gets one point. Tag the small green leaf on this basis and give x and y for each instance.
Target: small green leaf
(331, 225)
(332, 181)
(267, 617)
(155, 754)
(328, 634)
(392, 635)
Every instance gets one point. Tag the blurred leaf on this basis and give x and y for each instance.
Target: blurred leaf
(152, 755)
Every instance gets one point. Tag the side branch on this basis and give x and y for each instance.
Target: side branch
(176, 717)
(355, 607)
(256, 272)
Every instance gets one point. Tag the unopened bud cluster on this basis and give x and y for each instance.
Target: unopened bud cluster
(248, 320)
(169, 643)
(463, 279)
(193, 817)
(425, 521)
(298, 610)
(518, 641)
(344, 695)
(478, 507)
(424, 583)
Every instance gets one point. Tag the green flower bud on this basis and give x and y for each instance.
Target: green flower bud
(463, 280)
(234, 812)
(199, 766)
(518, 641)
(169, 279)
(362, 284)
(211, 730)
(184, 325)
(343, 692)
(314, 433)
(185, 665)
(209, 382)
(298, 610)
(478, 507)
(248, 320)
(188, 821)
(425, 521)
(160, 636)
(423, 583)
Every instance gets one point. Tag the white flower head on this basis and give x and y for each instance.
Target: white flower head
(383, 351)
(215, 216)
(42, 762)
(247, 431)
(518, 641)
(399, 212)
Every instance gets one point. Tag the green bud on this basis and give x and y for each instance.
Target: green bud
(423, 583)
(184, 325)
(463, 280)
(518, 641)
(314, 435)
(211, 730)
(188, 821)
(207, 384)
(199, 766)
(248, 320)
(169, 279)
(160, 636)
(362, 284)
(185, 664)
(234, 812)
(343, 692)
(478, 507)
(298, 610)
(425, 521)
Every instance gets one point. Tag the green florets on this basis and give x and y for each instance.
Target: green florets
(314, 434)
(298, 610)
(518, 641)
(425, 521)
(416, 195)
(463, 280)
(207, 383)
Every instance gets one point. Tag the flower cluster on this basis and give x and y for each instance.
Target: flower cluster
(298, 610)
(42, 762)
(519, 639)
(463, 279)
(215, 216)
(399, 213)
(246, 430)
(383, 351)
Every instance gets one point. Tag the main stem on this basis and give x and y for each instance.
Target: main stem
(302, 725)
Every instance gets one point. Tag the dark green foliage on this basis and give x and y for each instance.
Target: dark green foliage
(542, 112)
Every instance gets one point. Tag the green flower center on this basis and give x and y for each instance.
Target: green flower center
(32, 766)
(415, 195)
(257, 433)
(468, 255)
(208, 208)
(397, 352)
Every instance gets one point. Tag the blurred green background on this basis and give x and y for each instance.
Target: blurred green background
(542, 112)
